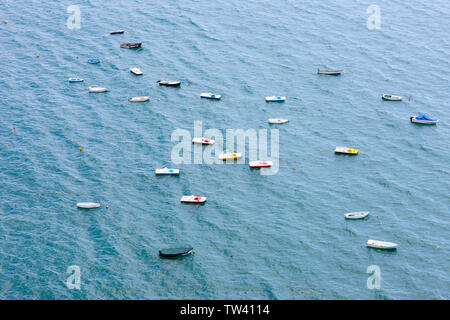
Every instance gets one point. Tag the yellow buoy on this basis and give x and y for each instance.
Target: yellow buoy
(81, 148)
(37, 55)
(6, 21)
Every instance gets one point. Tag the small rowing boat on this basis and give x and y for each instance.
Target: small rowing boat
(260, 164)
(275, 99)
(88, 205)
(203, 141)
(136, 71)
(131, 45)
(139, 99)
(175, 252)
(97, 89)
(381, 244)
(230, 156)
(117, 32)
(169, 83)
(209, 95)
(356, 215)
(390, 97)
(346, 150)
(193, 199)
(333, 72)
(167, 171)
(93, 61)
(278, 120)
(423, 119)
(76, 80)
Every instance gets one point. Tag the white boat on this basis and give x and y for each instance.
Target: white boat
(260, 164)
(97, 89)
(76, 80)
(203, 141)
(390, 97)
(169, 83)
(381, 244)
(423, 119)
(230, 156)
(139, 99)
(275, 99)
(278, 120)
(346, 150)
(167, 171)
(209, 95)
(88, 205)
(193, 199)
(333, 72)
(117, 32)
(136, 71)
(356, 215)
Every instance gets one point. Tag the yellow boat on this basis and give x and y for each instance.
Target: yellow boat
(346, 150)
(230, 156)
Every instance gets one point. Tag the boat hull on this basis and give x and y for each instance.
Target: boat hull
(383, 245)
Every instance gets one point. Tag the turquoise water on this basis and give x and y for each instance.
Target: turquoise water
(286, 232)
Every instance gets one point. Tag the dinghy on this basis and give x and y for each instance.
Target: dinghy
(423, 119)
(167, 171)
(117, 32)
(356, 215)
(275, 99)
(193, 199)
(230, 156)
(260, 164)
(139, 99)
(346, 150)
(169, 83)
(131, 45)
(333, 72)
(76, 80)
(381, 244)
(175, 252)
(278, 120)
(390, 97)
(210, 95)
(203, 141)
(136, 71)
(88, 205)
(92, 61)
(97, 89)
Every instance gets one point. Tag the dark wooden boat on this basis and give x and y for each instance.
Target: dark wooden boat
(117, 32)
(333, 72)
(175, 252)
(169, 83)
(131, 45)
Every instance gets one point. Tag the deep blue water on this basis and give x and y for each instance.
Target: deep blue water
(286, 232)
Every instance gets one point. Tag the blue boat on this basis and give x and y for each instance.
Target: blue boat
(75, 80)
(423, 119)
(94, 61)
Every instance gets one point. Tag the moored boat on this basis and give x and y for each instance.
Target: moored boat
(391, 97)
(193, 199)
(382, 244)
(346, 150)
(175, 252)
(230, 156)
(260, 164)
(167, 171)
(278, 120)
(117, 32)
(97, 89)
(136, 71)
(93, 61)
(333, 72)
(275, 99)
(76, 80)
(356, 215)
(131, 45)
(88, 205)
(139, 99)
(423, 119)
(169, 83)
(209, 95)
(203, 141)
